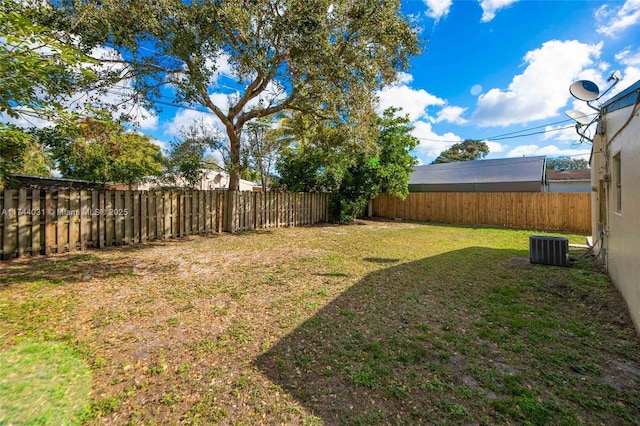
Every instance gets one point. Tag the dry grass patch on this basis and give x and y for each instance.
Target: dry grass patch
(381, 322)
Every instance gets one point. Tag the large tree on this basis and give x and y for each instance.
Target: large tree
(324, 57)
(262, 146)
(100, 150)
(20, 153)
(318, 164)
(39, 68)
(188, 155)
(566, 163)
(464, 151)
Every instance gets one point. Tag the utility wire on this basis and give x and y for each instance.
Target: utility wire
(510, 135)
(504, 136)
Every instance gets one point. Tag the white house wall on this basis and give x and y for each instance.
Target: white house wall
(621, 233)
(569, 186)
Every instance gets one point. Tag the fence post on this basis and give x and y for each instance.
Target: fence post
(229, 211)
(84, 230)
(7, 232)
(144, 199)
(117, 218)
(254, 201)
(102, 219)
(74, 220)
(35, 222)
(22, 222)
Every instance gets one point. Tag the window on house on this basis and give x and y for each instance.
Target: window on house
(617, 181)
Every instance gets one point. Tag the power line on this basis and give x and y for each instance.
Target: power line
(530, 134)
(504, 136)
(510, 135)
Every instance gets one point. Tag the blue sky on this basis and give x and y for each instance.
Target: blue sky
(491, 70)
(496, 68)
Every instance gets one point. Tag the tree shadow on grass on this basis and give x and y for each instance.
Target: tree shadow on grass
(462, 337)
(82, 265)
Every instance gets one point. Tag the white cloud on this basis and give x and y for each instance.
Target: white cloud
(628, 57)
(272, 94)
(26, 119)
(403, 78)
(631, 72)
(563, 132)
(120, 95)
(495, 147)
(438, 8)
(186, 117)
(490, 7)
(630, 75)
(431, 143)
(451, 114)
(550, 151)
(223, 65)
(542, 89)
(612, 22)
(164, 145)
(413, 102)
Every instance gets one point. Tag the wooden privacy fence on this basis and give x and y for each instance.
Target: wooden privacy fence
(34, 221)
(549, 211)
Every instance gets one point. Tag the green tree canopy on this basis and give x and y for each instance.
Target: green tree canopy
(326, 58)
(465, 151)
(566, 163)
(39, 67)
(100, 150)
(353, 177)
(21, 152)
(263, 145)
(188, 155)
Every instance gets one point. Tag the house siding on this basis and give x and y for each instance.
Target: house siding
(618, 232)
(569, 186)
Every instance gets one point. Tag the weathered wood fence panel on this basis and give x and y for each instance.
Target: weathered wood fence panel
(34, 221)
(550, 211)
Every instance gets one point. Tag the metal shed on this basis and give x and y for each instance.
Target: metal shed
(523, 174)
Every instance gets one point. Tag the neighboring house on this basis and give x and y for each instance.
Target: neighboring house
(569, 180)
(522, 174)
(209, 180)
(615, 166)
(37, 182)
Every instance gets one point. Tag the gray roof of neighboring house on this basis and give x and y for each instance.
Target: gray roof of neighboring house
(582, 174)
(521, 169)
(17, 181)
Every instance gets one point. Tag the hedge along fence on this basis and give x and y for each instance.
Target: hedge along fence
(34, 221)
(549, 211)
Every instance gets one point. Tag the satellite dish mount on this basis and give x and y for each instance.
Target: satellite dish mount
(588, 91)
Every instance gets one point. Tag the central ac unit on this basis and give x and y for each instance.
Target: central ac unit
(549, 250)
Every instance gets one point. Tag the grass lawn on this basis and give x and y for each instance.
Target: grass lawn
(371, 323)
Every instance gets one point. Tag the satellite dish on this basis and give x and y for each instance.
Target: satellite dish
(584, 90)
(579, 117)
(615, 76)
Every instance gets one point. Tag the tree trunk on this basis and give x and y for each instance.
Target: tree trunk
(234, 154)
(234, 181)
